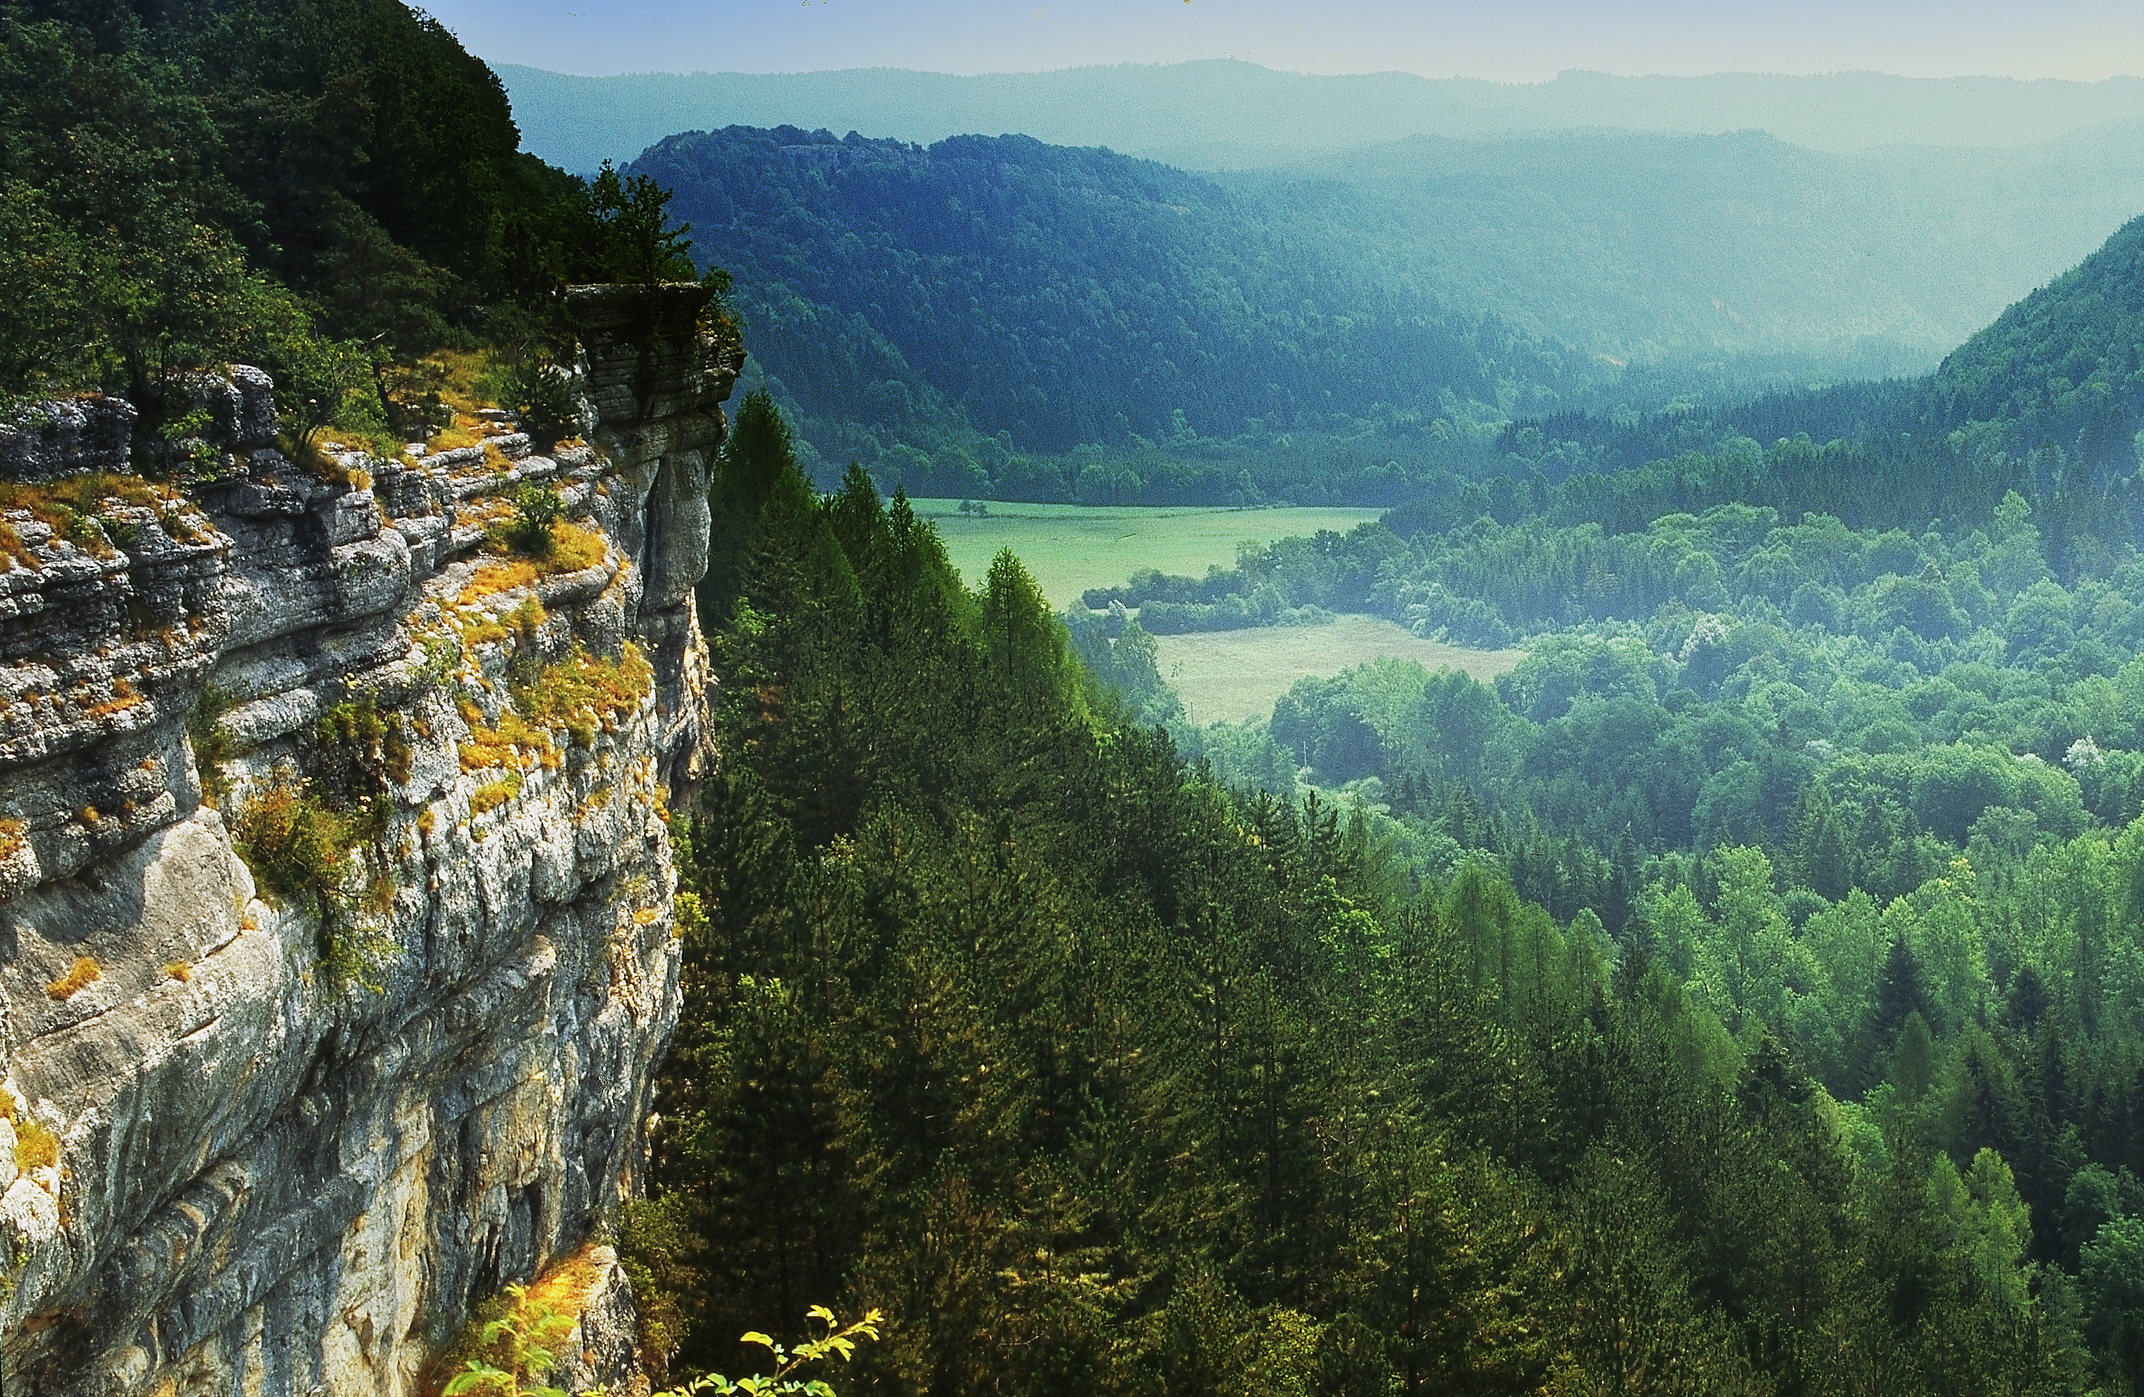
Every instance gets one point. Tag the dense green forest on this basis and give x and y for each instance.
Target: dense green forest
(1097, 1075)
(1006, 318)
(1862, 784)
(331, 190)
(1001, 315)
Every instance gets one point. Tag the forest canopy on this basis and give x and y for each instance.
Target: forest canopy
(326, 190)
(1097, 1074)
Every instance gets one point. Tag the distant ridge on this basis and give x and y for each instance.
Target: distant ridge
(1225, 114)
(956, 313)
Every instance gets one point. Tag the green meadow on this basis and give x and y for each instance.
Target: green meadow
(1233, 675)
(1219, 675)
(1069, 548)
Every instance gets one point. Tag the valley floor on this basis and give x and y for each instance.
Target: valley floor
(1070, 548)
(1233, 676)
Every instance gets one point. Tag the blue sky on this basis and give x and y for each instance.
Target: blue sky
(1515, 41)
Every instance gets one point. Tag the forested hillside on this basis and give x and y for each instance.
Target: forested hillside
(1689, 250)
(966, 317)
(1001, 317)
(2059, 378)
(1845, 741)
(2053, 390)
(332, 191)
(1098, 1077)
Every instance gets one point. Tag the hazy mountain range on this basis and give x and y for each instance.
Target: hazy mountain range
(937, 298)
(1230, 115)
(1641, 246)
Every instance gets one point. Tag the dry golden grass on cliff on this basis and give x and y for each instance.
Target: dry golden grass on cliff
(522, 620)
(494, 578)
(317, 460)
(579, 695)
(35, 1146)
(79, 976)
(512, 742)
(457, 378)
(66, 507)
(573, 549)
(582, 692)
(492, 795)
(12, 545)
(57, 502)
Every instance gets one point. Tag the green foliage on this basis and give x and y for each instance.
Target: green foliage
(654, 1241)
(212, 743)
(518, 1349)
(1120, 659)
(316, 380)
(635, 240)
(2112, 1276)
(541, 399)
(321, 191)
(536, 508)
(301, 838)
(42, 260)
(758, 461)
(1095, 1075)
(830, 1339)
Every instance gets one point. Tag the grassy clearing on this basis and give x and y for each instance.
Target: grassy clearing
(1234, 675)
(1069, 548)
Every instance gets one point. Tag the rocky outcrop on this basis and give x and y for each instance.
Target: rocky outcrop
(41, 441)
(273, 1127)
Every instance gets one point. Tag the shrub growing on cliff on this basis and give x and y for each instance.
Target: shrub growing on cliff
(542, 400)
(212, 742)
(517, 1348)
(296, 846)
(536, 509)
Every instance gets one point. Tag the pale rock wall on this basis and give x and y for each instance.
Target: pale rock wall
(271, 1181)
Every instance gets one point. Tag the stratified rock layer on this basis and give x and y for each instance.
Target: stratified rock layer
(272, 1178)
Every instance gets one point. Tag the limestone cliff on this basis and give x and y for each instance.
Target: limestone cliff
(230, 1164)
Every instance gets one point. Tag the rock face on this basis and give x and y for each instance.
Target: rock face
(274, 1129)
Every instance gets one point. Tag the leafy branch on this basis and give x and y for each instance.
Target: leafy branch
(835, 1339)
(524, 1340)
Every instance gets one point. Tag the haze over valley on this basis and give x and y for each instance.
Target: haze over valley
(1530, 250)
